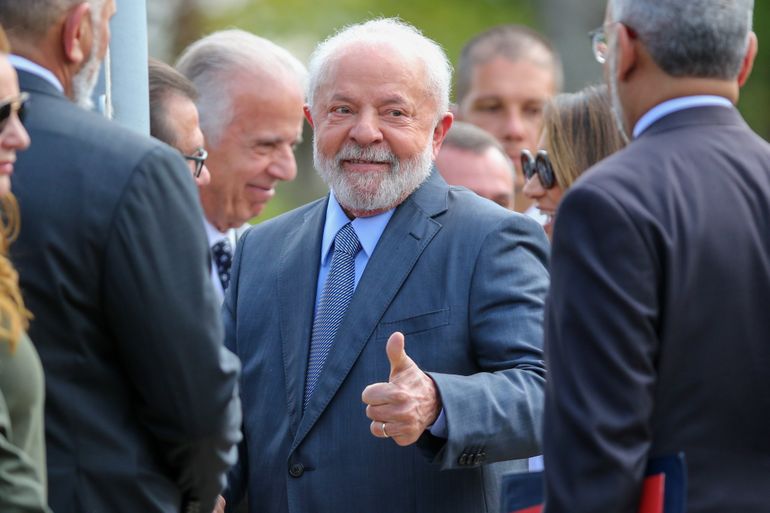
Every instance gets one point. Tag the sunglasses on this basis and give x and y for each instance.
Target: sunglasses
(540, 165)
(16, 105)
(199, 158)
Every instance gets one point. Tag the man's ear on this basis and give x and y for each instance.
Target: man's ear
(308, 115)
(748, 60)
(77, 34)
(626, 52)
(439, 133)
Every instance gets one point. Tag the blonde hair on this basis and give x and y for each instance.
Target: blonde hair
(14, 317)
(580, 131)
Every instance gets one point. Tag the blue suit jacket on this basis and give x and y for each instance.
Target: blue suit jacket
(465, 281)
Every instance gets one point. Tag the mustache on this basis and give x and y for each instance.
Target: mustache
(353, 151)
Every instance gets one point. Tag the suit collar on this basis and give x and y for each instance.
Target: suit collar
(409, 232)
(696, 116)
(32, 82)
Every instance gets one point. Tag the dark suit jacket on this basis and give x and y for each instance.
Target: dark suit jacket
(464, 280)
(657, 325)
(142, 408)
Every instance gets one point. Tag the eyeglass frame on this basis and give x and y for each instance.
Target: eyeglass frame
(598, 40)
(200, 160)
(17, 105)
(541, 164)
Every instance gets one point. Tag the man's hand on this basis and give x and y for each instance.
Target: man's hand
(220, 506)
(407, 404)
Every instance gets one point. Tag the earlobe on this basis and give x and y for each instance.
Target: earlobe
(308, 115)
(748, 60)
(76, 36)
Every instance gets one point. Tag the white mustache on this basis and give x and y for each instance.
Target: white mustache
(369, 153)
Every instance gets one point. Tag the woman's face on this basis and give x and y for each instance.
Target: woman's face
(546, 200)
(13, 136)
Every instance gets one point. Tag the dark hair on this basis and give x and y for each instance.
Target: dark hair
(465, 136)
(514, 42)
(165, 82)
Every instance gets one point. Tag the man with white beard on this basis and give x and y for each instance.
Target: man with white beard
(142, 411)
(423, 300)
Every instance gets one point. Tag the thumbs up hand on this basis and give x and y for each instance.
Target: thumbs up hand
(407, 404)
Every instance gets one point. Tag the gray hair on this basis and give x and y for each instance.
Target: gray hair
(30, 20)
(395, 34)
(220, 58)
(514, 42)
(696, 38)
(468, 137)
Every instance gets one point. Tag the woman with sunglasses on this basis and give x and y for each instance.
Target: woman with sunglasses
(22, 442)
(579, 130)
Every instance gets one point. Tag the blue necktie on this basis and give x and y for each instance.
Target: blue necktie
(222, 254)
(333, 304)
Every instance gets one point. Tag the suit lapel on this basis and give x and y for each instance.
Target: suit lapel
(297, 279)
(408, 233)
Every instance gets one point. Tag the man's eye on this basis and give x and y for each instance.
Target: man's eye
(341, 110)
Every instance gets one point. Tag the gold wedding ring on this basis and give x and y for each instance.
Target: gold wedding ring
(384, 433)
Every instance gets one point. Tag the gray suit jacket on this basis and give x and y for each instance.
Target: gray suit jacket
(141, 396)
(657, 330)
(465, 281)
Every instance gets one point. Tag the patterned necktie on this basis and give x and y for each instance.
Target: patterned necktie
(333, 304)
(223, 259)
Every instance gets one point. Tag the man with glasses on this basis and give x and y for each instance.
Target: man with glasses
(657, 327)
(142, 412)
(174, 117)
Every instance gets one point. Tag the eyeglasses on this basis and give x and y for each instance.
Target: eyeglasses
(540, 165)
(599, 44)
(199, 158)
(16, 105)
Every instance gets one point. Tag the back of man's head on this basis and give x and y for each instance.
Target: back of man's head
(513, 42)
(216, 60)
(165, 81)
(690, 38)
(468, 137)
(30, 20)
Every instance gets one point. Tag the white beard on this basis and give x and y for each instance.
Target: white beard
(377, 190)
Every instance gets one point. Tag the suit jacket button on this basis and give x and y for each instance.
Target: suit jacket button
(296, 470)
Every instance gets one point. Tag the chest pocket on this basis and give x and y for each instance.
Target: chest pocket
(414, 325)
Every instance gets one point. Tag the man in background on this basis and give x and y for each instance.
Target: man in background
(472, 158)
(142, 412)
(174, 117)
(657, 326)
(504, 77)
(251, 94)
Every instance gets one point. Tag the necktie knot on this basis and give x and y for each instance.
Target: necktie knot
(347, 241)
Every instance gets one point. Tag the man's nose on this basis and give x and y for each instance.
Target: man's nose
(513, 126)
(366, 130)
(284, 165)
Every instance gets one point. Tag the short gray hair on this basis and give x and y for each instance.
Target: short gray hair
(696, 38)
(393, 33)
(216, 60)
(30, 20)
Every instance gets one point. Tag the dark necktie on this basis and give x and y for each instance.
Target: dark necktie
(333, 304)
(223, 259)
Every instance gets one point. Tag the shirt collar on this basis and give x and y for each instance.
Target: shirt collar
(215, 235)
(670, 106)
(368, 229)
(24, 64)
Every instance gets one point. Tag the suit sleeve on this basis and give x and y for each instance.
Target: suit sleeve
(600, 348)
(495, 414)
(160, 300)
